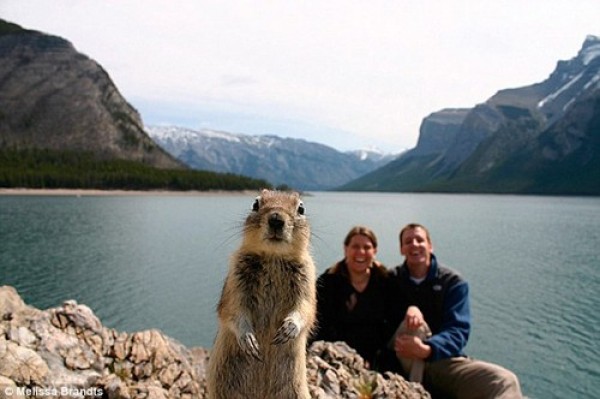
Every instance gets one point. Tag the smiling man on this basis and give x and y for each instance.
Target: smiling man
(442, 296)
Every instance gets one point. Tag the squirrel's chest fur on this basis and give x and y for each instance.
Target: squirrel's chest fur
(269, 287)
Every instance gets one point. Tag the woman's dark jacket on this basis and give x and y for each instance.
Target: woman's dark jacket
(357, 318)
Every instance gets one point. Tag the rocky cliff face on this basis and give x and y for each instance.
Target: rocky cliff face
(66, 352)
(53, 97)
(522, 113)
(532, 139)
(439, 129)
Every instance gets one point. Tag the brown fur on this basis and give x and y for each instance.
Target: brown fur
(267, 307)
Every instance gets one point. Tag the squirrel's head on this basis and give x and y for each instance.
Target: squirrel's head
(277, 224)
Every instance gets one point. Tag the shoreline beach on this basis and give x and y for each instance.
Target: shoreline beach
(117, 193)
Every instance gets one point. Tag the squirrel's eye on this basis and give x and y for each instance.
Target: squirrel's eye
(301, 209)
(256, 205)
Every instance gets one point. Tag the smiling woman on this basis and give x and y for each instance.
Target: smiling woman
(350, 298)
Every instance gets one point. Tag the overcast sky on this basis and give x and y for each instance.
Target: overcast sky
(349, 74)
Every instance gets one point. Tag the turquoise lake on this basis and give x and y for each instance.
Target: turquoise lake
(141, 262)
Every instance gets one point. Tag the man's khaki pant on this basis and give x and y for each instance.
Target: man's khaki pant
(460, 377)
(467, 378)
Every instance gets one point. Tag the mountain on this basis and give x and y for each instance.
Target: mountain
(64, 124)
(296, 163)
(537, 139)
(53, 97)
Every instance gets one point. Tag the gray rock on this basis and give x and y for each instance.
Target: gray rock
(20, 364)
(68, 349)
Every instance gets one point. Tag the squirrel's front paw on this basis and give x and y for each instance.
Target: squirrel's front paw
(288, 330)
(249, 345)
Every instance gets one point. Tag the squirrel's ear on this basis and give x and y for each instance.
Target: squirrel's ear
(256, 204)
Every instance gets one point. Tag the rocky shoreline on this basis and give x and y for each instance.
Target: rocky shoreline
(66, 352)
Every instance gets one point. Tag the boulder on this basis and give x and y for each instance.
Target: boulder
(69, 350)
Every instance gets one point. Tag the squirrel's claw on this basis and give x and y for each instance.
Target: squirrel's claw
(288, 330)
(249, 345)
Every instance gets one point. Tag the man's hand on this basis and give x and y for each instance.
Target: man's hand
(413, 318)
(411, 347)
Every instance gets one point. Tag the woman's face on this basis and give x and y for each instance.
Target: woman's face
(359, 253)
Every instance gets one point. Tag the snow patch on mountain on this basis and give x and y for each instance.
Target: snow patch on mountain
(591, 49)
(294, 162)
(181, 134)
(371, 153)
(593, 81)
(558, 92)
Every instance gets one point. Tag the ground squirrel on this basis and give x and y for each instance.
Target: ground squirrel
(267, 306)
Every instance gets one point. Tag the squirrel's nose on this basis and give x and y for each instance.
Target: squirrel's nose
(276, 221)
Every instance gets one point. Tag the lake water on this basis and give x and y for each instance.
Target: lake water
(141, 262)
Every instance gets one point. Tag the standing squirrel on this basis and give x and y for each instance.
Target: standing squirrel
(267, 306)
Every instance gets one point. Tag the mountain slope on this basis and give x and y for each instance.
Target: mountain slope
(563, 159)
(410, 170)
(282, 161)
(64, 124)
(53, 97)
(539, 139)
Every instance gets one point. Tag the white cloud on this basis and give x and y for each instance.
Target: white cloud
(369, 71)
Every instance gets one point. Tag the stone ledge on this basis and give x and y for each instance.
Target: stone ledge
(67, 352)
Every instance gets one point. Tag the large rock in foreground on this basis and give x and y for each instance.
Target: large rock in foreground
(66, 352)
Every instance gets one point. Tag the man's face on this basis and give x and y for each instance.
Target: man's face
(416, 247)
